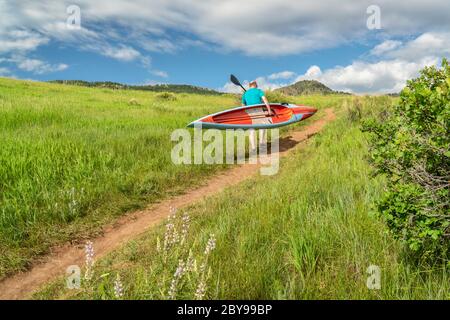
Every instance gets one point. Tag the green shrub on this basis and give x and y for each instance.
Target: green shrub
(410, 145)
(166, 96)
(354, 110)
(133, 102)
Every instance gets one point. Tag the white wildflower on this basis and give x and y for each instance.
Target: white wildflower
(89, 253)
(201, 289)
(211, 245)
(179, 272)
(118, 287)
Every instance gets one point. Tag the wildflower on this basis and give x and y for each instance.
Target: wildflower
(158, 245)
(202, 267)
(190, 263)
(211, 245)
(171, 235)
(179, 272)
(118, 287)
(201, 289)
(168, 235)
(185, 227)
(89, 253)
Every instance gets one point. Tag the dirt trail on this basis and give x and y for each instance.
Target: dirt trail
(22, 285)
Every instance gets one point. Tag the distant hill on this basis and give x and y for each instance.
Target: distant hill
(307, 87)
(175, 88)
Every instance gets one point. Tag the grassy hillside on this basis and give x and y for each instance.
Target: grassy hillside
(72, 158)
(306, 233)
(174, 88)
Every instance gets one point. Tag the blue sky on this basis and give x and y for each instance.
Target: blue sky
(347, 46)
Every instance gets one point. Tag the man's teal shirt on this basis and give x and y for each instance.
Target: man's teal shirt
(252, 96)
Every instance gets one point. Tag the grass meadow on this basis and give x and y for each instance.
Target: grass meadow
(308, 232)
(73, 158)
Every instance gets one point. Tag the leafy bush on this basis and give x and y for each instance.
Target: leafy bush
(166, 96)
(133, 102)
(410, 145)
(354, 110)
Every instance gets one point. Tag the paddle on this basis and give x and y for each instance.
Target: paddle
(235, 80)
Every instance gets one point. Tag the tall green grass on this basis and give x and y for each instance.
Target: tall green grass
(73, 158)
(306, 233)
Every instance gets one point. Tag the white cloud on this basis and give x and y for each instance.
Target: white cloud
(159, 45)
(124, 29)
(273, 28)
(35, 65)
(385, 47)
(38, 66)
(230, 88)
(398, 63)
(365, 77)
(123, 53)
(21, 41)
(281, 75)
(435, 44)
(160, 73)
(313, 72)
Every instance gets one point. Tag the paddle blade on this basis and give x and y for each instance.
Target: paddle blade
(235, 80)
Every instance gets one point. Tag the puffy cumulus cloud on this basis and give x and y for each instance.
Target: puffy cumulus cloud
(313, 72)
(436, 44)
(363, 77)
(399, 62)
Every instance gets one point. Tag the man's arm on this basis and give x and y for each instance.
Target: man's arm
(264, 99)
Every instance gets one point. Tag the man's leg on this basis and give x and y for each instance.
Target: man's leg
(251, 139)
(262, 136)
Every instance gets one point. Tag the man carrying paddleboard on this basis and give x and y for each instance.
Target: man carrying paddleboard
(252, 96)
